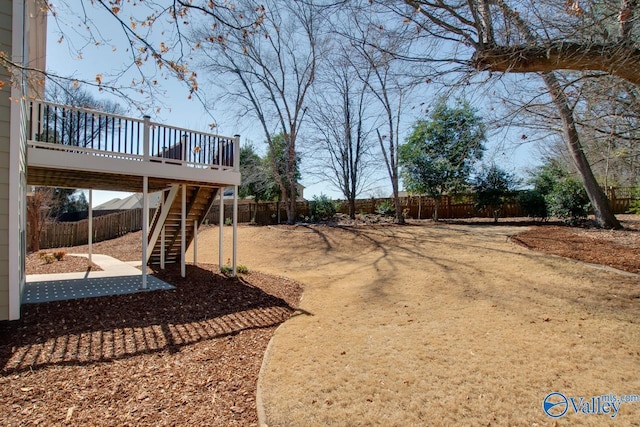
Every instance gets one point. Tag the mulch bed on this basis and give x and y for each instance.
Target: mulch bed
(614, 248)
(34, 264)
(185, 356)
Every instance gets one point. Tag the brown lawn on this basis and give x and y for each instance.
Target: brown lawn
(449, 324)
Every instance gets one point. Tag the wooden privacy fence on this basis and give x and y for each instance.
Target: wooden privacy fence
(417, 207)
(414, 207)
(63, 234)
(620, 198)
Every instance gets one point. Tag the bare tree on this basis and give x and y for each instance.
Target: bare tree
(148, 40)
(546, 37)
(39, 203)
(269, 71)
(607, 112)
(378, 49)
(77, 128)
(342, 124)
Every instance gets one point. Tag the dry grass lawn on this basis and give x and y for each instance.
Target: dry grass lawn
(439, 325)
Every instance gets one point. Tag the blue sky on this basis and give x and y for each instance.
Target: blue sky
(64, 59)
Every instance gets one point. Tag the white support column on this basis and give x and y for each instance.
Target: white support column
(162, 249)
(221, 230)
(183, 239)
(235, 230)
(195, 242)
(146, 137)
(145, 228)
(90, 223)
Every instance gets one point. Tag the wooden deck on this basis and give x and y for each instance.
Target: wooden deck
(78, 148)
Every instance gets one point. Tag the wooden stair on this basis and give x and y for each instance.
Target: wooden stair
(198, 202)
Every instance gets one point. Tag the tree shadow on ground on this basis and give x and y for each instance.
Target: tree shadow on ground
(203, 306)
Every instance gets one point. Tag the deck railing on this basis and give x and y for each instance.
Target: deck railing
(79, 130)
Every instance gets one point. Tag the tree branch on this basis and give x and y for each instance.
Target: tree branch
(616, 59)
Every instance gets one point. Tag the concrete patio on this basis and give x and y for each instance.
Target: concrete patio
(116, 278)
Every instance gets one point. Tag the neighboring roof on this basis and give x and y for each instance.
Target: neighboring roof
(400, 194)
(132, 202)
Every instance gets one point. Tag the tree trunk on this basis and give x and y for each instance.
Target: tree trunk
(396, 203)
(291, 211)
(352, 208)
(604, 215)
(290, 203)
(255, 212)
(436, 205)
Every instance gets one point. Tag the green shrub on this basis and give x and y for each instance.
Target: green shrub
(533, 204)
(386, 208)
(493, 188)
(568, 200)
(48, 258)
(322, 208)
(228, 269)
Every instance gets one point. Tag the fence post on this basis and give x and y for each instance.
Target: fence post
(612, 198)
(146, 137)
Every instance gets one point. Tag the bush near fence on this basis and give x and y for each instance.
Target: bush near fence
(112, 225)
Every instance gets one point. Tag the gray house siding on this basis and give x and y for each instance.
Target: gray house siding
(5, 133)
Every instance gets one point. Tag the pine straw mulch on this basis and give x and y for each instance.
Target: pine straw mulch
(186, 356)
(614, 248)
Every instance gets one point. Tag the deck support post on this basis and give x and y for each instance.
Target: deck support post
(183, 232)
(235, 230)
(145, 228)
(221, 230)
(162, 251)
(90, 223)
(195, 242)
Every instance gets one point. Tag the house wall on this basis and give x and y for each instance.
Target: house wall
(6, 14)
(15, 38)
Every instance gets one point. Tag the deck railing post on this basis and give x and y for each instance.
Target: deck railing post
(146, 136)
(236, 153)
